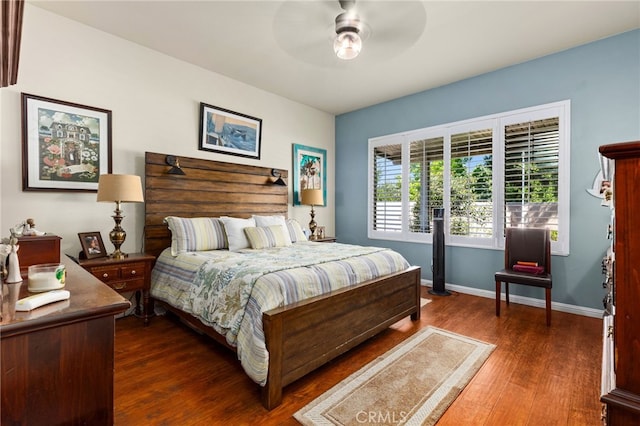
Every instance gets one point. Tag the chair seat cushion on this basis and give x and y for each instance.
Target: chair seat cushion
(515, 277)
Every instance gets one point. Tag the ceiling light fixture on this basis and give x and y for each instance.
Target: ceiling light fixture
(347, 44)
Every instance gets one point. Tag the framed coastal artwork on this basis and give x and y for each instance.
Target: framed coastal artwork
(309, 171)
(229, 132)
(65, 146)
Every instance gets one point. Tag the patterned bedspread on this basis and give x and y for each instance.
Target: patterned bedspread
(229, 291)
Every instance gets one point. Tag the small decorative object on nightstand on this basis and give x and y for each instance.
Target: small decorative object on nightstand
(133, 273)
(325, 240)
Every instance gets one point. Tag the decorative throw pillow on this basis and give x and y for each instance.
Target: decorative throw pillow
(195, 234)
(262, 221)
(269, 220)
(234, 228)
(267, 236)
(295, 231)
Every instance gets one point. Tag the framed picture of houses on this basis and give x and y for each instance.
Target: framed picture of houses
(65, 146)
(309, 171)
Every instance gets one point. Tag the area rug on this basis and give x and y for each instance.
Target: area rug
(412, 384)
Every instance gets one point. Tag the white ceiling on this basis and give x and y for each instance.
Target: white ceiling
(285, 47)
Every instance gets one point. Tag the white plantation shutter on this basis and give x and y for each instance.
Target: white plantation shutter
(531, 166)
(471, 211)
(425, 194)
(387, 188)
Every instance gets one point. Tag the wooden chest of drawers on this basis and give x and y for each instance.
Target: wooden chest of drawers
(133, 273)
(35, 250)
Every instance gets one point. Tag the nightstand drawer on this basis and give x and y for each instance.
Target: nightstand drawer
(132, 270)
(128, 285)
(106, 274)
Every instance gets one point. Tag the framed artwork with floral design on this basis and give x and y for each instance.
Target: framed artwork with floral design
(65, 146)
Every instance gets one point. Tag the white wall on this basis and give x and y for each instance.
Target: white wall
(155, 103)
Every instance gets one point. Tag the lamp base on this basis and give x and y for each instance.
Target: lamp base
(118, 255)
(117, 235)
(312, 225)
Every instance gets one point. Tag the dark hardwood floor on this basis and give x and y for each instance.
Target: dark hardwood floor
(166, 374)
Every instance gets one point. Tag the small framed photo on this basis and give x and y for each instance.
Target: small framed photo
(92, 245)
(320, 232)
(65, 146)
(229, 132)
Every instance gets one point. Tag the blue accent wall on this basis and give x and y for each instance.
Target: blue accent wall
(602, 80)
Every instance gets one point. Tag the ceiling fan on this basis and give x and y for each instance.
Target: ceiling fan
(314, 31)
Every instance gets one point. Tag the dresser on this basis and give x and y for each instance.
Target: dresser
(621, 348)
(57, 361)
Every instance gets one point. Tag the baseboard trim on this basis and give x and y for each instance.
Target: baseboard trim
(529, 301)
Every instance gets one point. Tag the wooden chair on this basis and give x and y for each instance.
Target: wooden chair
(526, 245)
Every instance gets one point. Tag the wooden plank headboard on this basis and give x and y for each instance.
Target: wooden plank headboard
(207, 189)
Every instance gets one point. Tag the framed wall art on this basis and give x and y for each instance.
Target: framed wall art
(92, 245)
(309, 171)
(65, 146)
(229, 132)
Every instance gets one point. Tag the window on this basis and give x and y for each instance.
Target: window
(509, 169)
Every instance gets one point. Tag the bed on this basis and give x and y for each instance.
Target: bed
(299, 336)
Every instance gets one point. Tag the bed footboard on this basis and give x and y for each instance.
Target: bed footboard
(303, 336)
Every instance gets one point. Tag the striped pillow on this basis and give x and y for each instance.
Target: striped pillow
(196, 234)
(267, 236)
(295, 231)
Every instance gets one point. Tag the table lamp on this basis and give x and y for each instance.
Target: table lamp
(312, 197)
(119, 189)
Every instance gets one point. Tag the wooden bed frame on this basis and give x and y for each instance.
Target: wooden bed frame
(302, 336)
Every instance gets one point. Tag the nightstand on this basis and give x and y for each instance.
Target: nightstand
(325, 240)
(133, 273)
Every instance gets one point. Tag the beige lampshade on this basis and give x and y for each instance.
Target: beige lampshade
(122, 188)
(312, 197)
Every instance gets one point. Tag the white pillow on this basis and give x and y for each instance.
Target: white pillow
(262, 221)
(234, 227)
(195, 233)
(269, 220)
(267, 236)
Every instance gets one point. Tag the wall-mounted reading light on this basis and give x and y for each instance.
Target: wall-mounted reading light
(279, 181)
(175, 165)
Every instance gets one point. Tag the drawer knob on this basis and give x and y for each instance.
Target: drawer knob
(133, 272)
(105, 275)
(119, 286)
